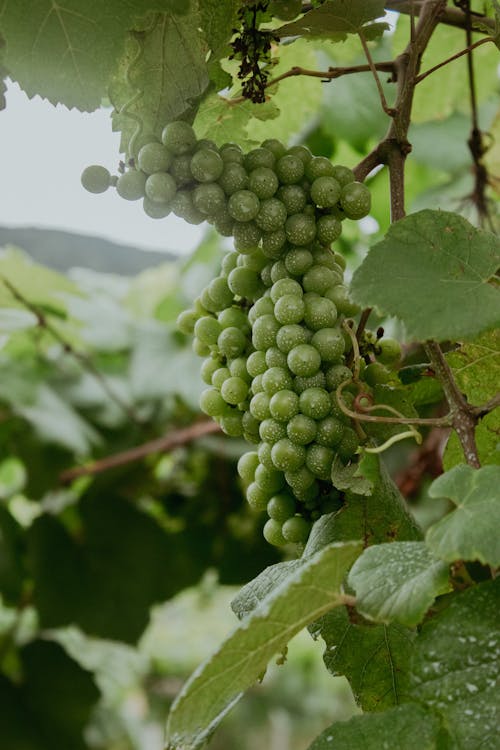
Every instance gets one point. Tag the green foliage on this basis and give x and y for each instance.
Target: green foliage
(442, 260)
(470, 531)
(338, 18)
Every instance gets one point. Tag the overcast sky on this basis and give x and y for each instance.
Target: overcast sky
(43, 152)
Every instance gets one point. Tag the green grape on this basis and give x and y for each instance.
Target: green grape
(281, 507)
(325, 191)
(290, 169)
(278, 271)
(265, 275)
(271, 431)
(285, 10)
(273, 243)
(155, 210)
(318, 279)
(355, 200)
(301, 429)
(179, 137)
(259, 157)
(256, 386)
(330, 432)
(257, 497)
(206, 165)
(315, 403)
(269, 479)
(262, 306)
(284, 405)
(349, 444)
(255, 261)
(272, 533)
(243, 205)
(296, 529)
(233, 317)
(290, 336)
(206, 143)
(319, 166)
(304, 360)
(309, 495)
(207, 329)
(274, 357)
(319, 460)
(388, 351)
(182, 206)
(319, 313)
(212, 403)
(302, 152)
(234, 390)
(238, 368)
(207, 303)
(247, 464)
(328, 229)
(250, 427)
(220, 292)
(131, 185)
(264, 331)
(231, 153)
(336, 375)
(284, 287)
(231, 342)
(343, 175)
(264, 453)
(229, 262)
(233, 178)
(340, 261)
(95, 179)
(340, 296)
(208, 368)
(154, 157)
(298, 261)
(376, 373)
(180, 169)
(293, 197)
(208, 198)
(287, 456)
(256, 363)
(275, 146)
(223, 223)
(301, 384)
(323, 256)
(160, 187)
(219, 376)
(246, 236)
(186, 321)
(276, 379)
(244, 282)
(271, 215)
(300, 229)
(263, 182)
(232, 424)
(259, 406)
(301, 479)
(329, 342)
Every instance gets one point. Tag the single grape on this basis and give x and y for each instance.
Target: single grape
(208, 198)
(259, 406)
(262, 306)
(256, 363)
(284, 287)
(319, 460)
(296, 529)
(233, 178)
(212, 403)
(257, 497)
(272, 533)
(255, 260)
(231, 342)
(319, 166)
(263, 182)
(208, 368)
(274, 357)
(232, 424)
(219, 291)
(336, 375)
(95, 179)
(271, 215)
(259, 157)
(243, 205)
(301, 479)
(155, 210)
(256, 386)
(290, 336)
(289, 309)
(180, 170)
(302, 152)
(244, 282)
(269, 480)
(349, 444)
(298, 261)
(271, 431)
(293, 197)
(160, 187)
(325, 191)
(246, 236)
(376, 373)
(329, 432)
(206, 165)
(343, 175)
(301, 429)
(220, 376)
(287, 456)
(207, 329)
(304, 360)
(318, 279)
(301, 384)
(276, 379)
(273, 243)
(234, 390)
(247, 464)
(186, 321)
(329, 342)
(284, 405)
(328, 229)
(223, 223)
(154, 157)
(290, 169)
(264, 453)
(300, 229)
(182, 206)
(339, 295)
(278, 271)
(179, 137)
(233, 317)
(264, 331)
(131, 185)
(281, 507)
(315, 403)
(319, 313)
(388, 351)
(355, 200)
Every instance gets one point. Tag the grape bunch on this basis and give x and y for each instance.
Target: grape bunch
(269, 326)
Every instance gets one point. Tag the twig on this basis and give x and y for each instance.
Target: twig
(448, 16)
(462, 52)
(160, 445)
(79, 356)
(383, 101)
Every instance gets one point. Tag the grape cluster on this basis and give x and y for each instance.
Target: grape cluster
(269, 326)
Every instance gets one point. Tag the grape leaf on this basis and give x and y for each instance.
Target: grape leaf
(253, 592)
(215, 686)
(162, 75)
(470, 532)
(218, 20)
(51, 705)
(66, 51)
(222, 121)
(455, 666)
(395, 728)
(476, 367)
(374, 658)
(439, 262)
(338, 18)
(397, 582)
(358, 477)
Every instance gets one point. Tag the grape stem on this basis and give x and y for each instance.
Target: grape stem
(160, 445)
(462, 52)
(371, 64)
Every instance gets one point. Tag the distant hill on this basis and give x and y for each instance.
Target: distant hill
(64, 250)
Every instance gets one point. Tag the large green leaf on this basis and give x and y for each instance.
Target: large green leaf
(51, 705)
(310, 592)
(222, 121)
(470, 532)
(432, 271)
(374, 658)
(397, 582)
(253, 592)
(476, 367)
(456, 663)
(395, 728)
(66, 51)
(162, 75)
(336, 19)
(218, 19)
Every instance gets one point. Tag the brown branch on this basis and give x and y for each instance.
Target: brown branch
(448, 60)
(82, 358)
(160, 445)
(448, 16)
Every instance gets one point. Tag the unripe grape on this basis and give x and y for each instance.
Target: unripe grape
(284, 287)
(233, 317)
(255, 260)
(207, 329)
(269, 479)
(154, 157)
(155, 210)
(336, 375)
(247, 464)
(376, 373)
(231, 342)
(232, 424)
(281, 507)
(293, 197)
(220, 292)
(275, 146)
(329, 432)
(131, 185)
(246, 236)
(271, 215)
(243, 282)
(339, 295)
(290, 336)
(273, 243)
(257, 497)
(208, 198)
(315, 403)
(284, 405)
(233, 178)
(212, 403)
(343, 175)
(263, 182)
(319, 313)
(262, 306)
(388, 351)
(243, 205)
(95, 179)
(271, 431)
(301, 429)
(276, 379)
(259, 157)
(349, 444)
(296, 529)
(179, 137)
(264, 331)
(290, 169)
(355, 200)
(275, 358)
(319, 166)
(259, 406)
(186, 321)
(264, 453)
(256, 363)
(328, 229)
(302, 152)
(325, 192)
(208, 368)
(289, 309)
(182, 206)
(329, 342)
(234, 390)
(220, 375)
(301, 384)
(278, 271)
(318, 279)
(287, 456)
(298, 261)
(160, 187)
(304, 360)
(272, 533)
(319, 460)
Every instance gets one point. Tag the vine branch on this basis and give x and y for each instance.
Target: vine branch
(462, 52)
